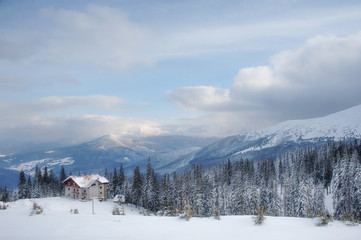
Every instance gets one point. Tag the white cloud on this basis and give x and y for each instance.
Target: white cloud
(318, 78)
(98, 36)
(255, 79)
(57, 102)
(23, 111)
(106, 37)
(72, 129)
(35, 121)
(200, 97)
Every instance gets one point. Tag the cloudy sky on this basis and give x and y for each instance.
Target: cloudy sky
(75, 70)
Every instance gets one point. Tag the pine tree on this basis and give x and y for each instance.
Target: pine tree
(228, 172)
(63, 176)
(304, 208)
(137, 187)
(28, 188)
(5, 196)
(45, 183)
(121, 179)
(37, 183)
(343, 190)
(355, 165)
(22, 185)
(54, 184)
(319, 205)
(115, 183)
(151, 189)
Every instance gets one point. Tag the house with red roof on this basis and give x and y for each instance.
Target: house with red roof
(86, 187)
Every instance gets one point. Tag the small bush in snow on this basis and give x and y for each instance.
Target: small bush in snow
(259, 219)
(324, 219)
(74, 211)
(37, 209)
(117, 211)
(3, 206)
(187, 214)
(145, 212)
(349, 220)
(217, 214)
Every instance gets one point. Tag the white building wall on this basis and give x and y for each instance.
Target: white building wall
(93, 191)
(72, 192)
(97, 191)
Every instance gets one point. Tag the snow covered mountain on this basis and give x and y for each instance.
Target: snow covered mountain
(103, 153)
(270, 142)
(337, 126)
(171, 153)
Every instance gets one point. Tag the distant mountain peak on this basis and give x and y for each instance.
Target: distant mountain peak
(112, 140)
(272, 141)
(336, 126)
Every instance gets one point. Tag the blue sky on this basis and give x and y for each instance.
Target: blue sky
(71, 71)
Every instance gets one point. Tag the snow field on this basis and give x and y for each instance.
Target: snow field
(57, 222)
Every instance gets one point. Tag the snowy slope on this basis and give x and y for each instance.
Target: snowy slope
(56, 222)
(270, 142)
(337, 126)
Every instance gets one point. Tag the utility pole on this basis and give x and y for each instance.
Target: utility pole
(93, 203)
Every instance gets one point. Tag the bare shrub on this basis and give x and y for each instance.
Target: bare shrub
(187, 214)
(259, 218)
(37, 209)
(116, 210)
(3, 206)
(217, 214)
(324, 219)
(74, 211)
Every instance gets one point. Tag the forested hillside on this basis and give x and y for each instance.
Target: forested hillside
(296, 184)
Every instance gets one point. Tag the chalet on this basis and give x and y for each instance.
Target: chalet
(87, 187)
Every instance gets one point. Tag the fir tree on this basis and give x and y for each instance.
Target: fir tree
(137, 187)
(151, 191)
(28, 188)
(121, 179)
(22, 185)
(5, 196)
(63, 176)
(115, 183)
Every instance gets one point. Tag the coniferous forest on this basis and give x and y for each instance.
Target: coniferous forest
(295, 184)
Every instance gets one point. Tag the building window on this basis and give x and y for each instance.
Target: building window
(101, 192)
(84, 190)
(69, 188)
(100, 187)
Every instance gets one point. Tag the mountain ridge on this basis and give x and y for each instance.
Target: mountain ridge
(287, 135)
(175, 152)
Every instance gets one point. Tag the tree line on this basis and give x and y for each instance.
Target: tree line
(295, 184)
(44, 183)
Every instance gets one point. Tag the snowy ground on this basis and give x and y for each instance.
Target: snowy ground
(57, 223)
